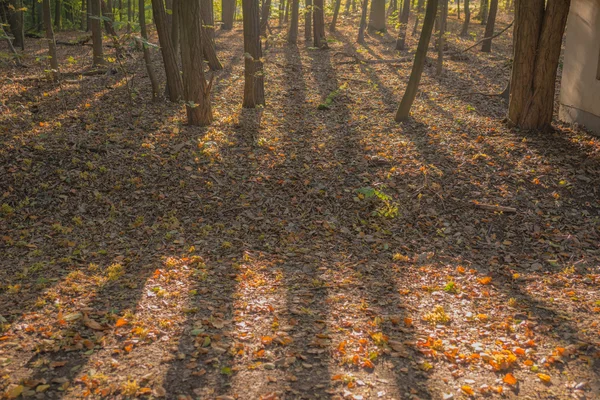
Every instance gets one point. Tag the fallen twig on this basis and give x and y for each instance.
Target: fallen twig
(488, 38)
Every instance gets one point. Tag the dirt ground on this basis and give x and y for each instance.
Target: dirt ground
(296, 251)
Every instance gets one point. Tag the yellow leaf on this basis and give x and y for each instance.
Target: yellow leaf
(15, 392)
(510, 379)
(544, 377)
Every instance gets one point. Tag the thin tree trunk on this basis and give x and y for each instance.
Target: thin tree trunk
(293, 32)
(486, 47)
(129, 15)
(175, 24)
(443, 21)
(108, 20)
(174, 84)
(147, 55)
(308, 19)
(197, 91)
(319, 24)
(336, 11)
(227, 14)
(98, 52)
(10, 45)
(287, 12)
(254, 90)
(363, 22)
(377, 16)
(210, 52)
(47, 13)
(281, 14)
(404, 15)
(208, 17)
(83, 24)
(538, 33)
(265, 15)
(347, 7)
(465, 27)
(403, 112)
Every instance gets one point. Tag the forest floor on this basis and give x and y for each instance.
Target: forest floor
(294, 252)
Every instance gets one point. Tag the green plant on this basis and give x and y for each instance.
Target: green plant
(330, 97)
(387, 207)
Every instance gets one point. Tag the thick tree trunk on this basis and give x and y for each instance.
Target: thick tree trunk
(319, 24)
(174, 84)
(308, 19)
(147, 55)
(443, 20)
(57, 14)
(377, 16)
(227, 14)
(197, 91)
(417, 70)
(254, 90)
(15, 19)
(404, 15)
(336, 11)
(47, 13)
(96, 33)
(486, 47)
(265, 15)
(175, 24)
(465, 27)
(363, 22)
(210, 52)
(538, 32)
(208, 17)
(293, 32)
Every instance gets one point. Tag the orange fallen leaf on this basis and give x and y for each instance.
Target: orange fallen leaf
(120, 322)
(468, 390)
(266, 340)
(408, 322)
(485, 280)
(510, 379)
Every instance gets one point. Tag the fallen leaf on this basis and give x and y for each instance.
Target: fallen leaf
(510, 379)
(544, 378)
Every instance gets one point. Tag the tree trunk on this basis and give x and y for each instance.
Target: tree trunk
(281, 12)
(347, 7)
(486, 47)
(404, 15)
(538, 32)
(83, 23)
(197, 91)
(15, 19)
(377, 16)
(129, 15)
(9, 43)
(57, 14)
(108, 20)
(420, 5)
(293, 32)
(319, 24)
(208, 17)
(457, 9)
(210, 52)
(96, 33)
(254, 90)
(147, 55)
(392, 7)
(174, 84)
(363, 22)
(336, 11)
(443, 20)
(265, 15)
(227, 14)
(465, 27)
(175, 25)
(287, 12)
(417, 70)
(308, 19)
(47, 13)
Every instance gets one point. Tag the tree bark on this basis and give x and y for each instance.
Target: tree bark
(363, 22)
(129, 15)
(319, 24)
(403, 112)
(336, 11)
(404, 15)
(57, 14)
(254, 90)
(486, 47)
(208, 17)
(146, 50)
(47, 15)
(465, 27)
(538, 32)
(175, 24)
(377, 16)
(83, 23)
(347, 7)
(197, 91)
(265, 15)
(308, 19)
(107, 13)
(15, 19)
(98, 53)
(443, 20)
(174, 83)
(210, 52)
(293, 32)
(227, 14)
(9, 43)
